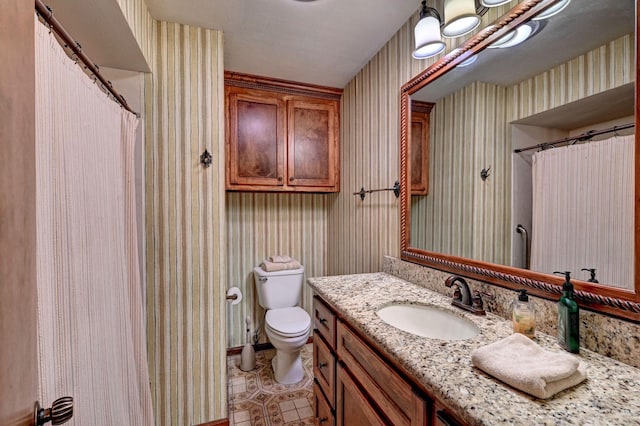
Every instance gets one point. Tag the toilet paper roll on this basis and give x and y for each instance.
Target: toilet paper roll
(234, 291)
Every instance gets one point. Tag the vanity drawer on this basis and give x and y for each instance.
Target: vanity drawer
(324, 321)
(393, 395)
(323, 415)
(324, 368)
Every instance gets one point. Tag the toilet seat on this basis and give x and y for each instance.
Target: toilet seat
(288, 322)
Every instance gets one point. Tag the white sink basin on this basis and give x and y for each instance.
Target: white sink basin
(428, 321)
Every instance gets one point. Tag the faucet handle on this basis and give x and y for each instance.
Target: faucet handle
(457, 294)
(476, 301)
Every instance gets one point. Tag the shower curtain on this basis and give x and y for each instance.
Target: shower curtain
(91, 336)
(583, 210)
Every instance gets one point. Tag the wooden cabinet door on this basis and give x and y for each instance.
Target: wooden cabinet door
(255, 138)
(323, 415)
(312, 143)
(353, 407)
(419, 147)
(324, 368)
(442, 417)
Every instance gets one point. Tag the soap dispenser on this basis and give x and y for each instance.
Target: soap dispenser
(592, 272)
(568, 317)
(524, 316)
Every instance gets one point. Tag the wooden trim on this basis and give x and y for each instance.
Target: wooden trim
(618, 303)
(232, 78)
(221, 422)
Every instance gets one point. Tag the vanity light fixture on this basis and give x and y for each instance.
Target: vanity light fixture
(460, 17)
(553, 10)
(427, 33)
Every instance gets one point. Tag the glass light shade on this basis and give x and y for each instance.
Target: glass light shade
(521, 33)
(459, 17)
(502, 40)
(494, 3)
(427, 36)
(467, 61)
(553, 10)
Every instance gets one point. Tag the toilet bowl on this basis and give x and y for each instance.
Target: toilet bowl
(288, 330)
(287, 326)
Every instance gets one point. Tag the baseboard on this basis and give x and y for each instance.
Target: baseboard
(257, 347)
(221, 422)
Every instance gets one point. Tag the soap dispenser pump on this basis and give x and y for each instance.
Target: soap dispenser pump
(568, 317)
(524, 316)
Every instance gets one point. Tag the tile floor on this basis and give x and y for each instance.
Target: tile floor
(256, 399)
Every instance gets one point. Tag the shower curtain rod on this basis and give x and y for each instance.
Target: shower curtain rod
(582, 137)
(47, 14)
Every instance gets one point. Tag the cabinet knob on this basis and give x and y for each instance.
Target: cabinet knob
(279, 178)
(60, 412)
(291, 179)
(322, 365)
(322, 321)
(322, 419)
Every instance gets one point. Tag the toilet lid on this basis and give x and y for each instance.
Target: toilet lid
(288, 321)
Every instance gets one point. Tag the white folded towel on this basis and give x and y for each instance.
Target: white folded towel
(279, 266)
(523, 364)
(280, 259)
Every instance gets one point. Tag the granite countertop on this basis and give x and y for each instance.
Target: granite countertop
(609, 396)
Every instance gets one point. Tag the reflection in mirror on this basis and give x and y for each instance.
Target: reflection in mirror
(565, 206)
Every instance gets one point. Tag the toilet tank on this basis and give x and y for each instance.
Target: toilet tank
(279, 289)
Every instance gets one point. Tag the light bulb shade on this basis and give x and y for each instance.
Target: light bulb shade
(518, 35)
(553, 10)
(460, 17)
(467, 61)
(502, 40)
(494, 3)
(427, 37)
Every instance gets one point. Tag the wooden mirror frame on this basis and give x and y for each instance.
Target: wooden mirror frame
(619, 303)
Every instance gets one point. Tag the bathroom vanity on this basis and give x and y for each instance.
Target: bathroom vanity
(369, 372)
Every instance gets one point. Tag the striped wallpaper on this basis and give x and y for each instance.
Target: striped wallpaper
(454, 222)
(604, 68)
(263, 224)
(360, 233)
(185, 257)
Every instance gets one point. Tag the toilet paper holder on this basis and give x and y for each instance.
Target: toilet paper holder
(234, 295)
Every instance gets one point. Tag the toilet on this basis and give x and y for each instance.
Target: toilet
(286, 324)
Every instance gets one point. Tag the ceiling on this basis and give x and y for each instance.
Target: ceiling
(324, 42)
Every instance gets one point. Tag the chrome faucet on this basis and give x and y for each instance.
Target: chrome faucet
(462, 296)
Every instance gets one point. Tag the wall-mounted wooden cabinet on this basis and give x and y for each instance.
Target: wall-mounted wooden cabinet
(419, 147)
(281, 136)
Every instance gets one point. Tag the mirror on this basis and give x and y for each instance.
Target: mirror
(479, 190)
